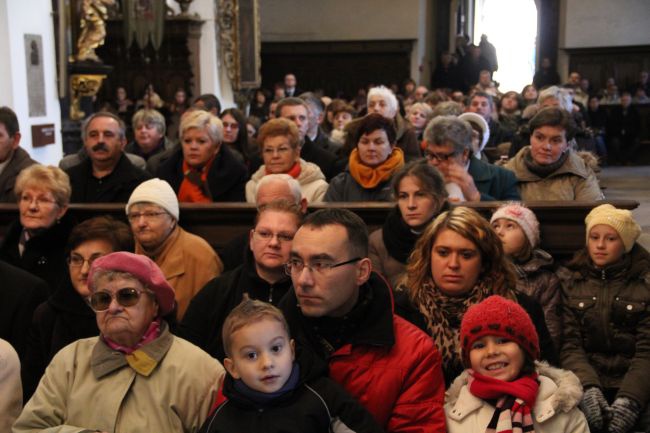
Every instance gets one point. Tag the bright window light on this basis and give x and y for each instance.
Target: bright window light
(511, 26)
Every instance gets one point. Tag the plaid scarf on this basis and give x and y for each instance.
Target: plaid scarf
(512, 413)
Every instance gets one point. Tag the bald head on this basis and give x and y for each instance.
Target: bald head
(279, 187)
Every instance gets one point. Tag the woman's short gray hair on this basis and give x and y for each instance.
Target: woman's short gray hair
(203, 120)
(449, 130)
(387, 95)
(563, 96)
(149, 117)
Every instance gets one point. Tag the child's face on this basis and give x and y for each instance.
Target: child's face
(512, 236)
(496, 357)
(261, 355)
(605, 245)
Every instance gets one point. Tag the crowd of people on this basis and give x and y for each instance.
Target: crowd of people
(440, 320)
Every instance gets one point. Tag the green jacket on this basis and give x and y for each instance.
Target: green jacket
(606, 315)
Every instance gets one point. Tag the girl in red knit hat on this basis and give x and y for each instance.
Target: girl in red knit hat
(503, 388)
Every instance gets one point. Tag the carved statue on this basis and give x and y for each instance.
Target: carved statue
(93, 28)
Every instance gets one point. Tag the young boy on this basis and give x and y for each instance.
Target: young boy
(503, 388)
(267, 390)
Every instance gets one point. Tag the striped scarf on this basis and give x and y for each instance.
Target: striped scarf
(512, 413)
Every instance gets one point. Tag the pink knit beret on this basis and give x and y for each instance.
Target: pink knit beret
(143, 269)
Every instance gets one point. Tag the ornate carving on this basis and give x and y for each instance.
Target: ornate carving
(93, 28)
(83, 85)
(240, 41)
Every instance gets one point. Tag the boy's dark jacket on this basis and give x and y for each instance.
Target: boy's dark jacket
(317, 404)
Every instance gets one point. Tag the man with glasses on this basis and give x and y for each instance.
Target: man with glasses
(187, 260)
(341, 313)
(449, 149)
(261, 275)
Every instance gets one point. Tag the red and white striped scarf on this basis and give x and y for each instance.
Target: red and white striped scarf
(512, 413)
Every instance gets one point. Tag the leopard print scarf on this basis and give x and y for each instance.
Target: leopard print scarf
(444, 313)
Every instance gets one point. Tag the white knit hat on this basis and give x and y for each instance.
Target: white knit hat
(158, 192)
(478, 120)
(523, 216)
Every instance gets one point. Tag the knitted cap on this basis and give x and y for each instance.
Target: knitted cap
(500, 317)
(521, 215)
(143, 269)
(158, 192)
(619, 219)
(482, 124)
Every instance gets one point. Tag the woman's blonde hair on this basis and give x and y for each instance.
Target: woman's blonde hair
(203, 120)
(472, 226)
(45, 177)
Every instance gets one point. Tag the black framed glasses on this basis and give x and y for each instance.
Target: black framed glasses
(295, 266)
(439, 157)
(126, 297)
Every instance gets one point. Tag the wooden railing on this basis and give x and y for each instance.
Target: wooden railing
(561, 223)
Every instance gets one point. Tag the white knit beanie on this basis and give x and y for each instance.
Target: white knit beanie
(522, 216)
(482, 124)
(620, 220)
(158, 192)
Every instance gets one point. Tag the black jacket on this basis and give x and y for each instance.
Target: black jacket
(114, 188)
(330, 164)
(62, 319)
(20, 293)
(317, 404)
(226, 179)
(204, 317)
(19, 160)
(44, 254)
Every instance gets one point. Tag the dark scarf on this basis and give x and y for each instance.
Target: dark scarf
(331, 333)
(546, 169)
(263, 398)
(399, 238)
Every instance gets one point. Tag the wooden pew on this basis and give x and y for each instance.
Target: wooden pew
(562, 223)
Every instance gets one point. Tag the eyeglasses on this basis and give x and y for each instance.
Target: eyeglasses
(267, 235)
(77, 261)
(439, 157)
(146, 215)
(279, 150)
(40, 200)
(230, 125)
(295, 266)
(126, 297)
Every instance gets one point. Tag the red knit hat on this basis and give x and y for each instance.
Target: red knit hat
(143, 269)
(500, 317)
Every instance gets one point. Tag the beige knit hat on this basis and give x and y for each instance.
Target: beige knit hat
(619, 219)
(158, 192)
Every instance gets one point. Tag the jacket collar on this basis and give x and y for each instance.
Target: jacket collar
(104, 360)
(169, 253)
(559, 391)
(574, 165)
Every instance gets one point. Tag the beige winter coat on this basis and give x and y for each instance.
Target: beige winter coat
(11, 391)
(312, 182)
(573, 181)
(89, 387)
(555, 410)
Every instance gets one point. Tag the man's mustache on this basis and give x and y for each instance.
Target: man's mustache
(100, 146)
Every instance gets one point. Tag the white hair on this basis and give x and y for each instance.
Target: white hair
(293, 184)
(562, 95)
(387, 95)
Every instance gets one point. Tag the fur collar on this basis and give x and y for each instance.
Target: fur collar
(559, 391)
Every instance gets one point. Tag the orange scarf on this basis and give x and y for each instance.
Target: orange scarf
(293, 171)
(191, 192)
(369, 177)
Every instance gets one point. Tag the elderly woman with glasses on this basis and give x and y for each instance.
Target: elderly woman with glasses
(36, 241)
(280, 147)
(136, 376)
(448, 147)
(65, 316)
